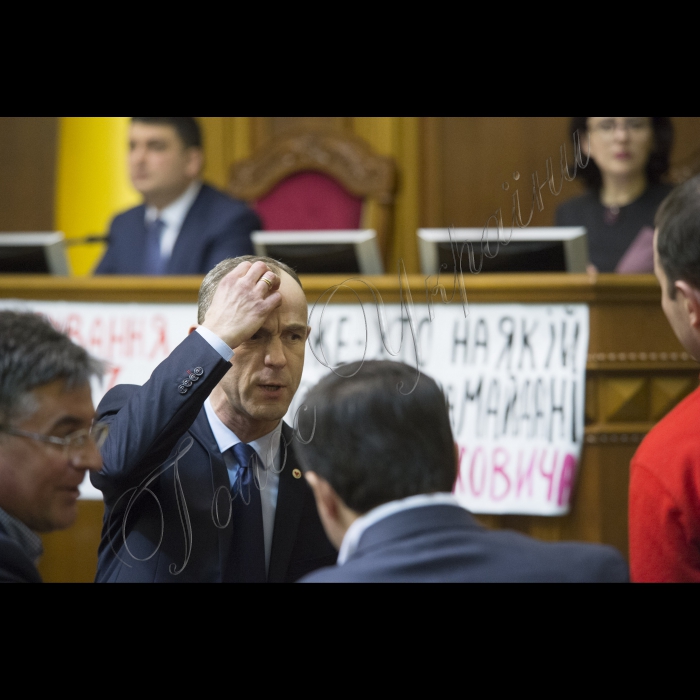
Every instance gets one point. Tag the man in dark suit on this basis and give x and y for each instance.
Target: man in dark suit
(382, 463)
(47, 437)
(199, 480)
(183, 227)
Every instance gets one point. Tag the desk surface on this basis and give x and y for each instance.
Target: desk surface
(484, 288)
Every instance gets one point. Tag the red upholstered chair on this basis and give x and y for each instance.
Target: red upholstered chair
(318, 180)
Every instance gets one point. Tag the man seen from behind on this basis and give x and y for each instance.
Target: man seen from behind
(664, 499)
(382, 462)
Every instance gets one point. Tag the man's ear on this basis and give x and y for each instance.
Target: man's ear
(690, 300)
(335, 516)
(195, 161)
(325, 495)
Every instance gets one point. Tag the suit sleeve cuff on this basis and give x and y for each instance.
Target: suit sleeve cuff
(216, 342)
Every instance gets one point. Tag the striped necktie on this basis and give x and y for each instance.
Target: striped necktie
(247, 555)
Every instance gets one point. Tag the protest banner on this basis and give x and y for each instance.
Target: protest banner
(513, 374)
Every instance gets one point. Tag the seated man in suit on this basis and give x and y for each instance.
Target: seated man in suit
(47, 437)
(183, 227)
(664, 498)
(382, 464)
(199, 479)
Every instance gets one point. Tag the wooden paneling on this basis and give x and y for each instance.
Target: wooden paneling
(466, 160)
(685, 157)
(27, 173)
(70, 556)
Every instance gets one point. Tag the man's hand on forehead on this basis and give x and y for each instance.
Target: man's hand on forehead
(242, 302)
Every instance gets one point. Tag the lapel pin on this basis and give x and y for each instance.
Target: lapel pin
(296, 474)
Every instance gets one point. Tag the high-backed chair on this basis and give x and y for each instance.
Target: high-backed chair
(318, 180)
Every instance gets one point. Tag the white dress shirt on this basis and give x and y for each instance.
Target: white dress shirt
(173, 216)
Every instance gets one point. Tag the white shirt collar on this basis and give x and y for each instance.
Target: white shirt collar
(267, 446)
(357, 529)
(174, 214)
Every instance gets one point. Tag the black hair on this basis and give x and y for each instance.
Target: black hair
(33, 353)
(187, 128)
(678, 241)
(659, 158)
(373, 443)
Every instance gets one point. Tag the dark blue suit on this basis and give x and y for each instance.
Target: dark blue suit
(443, 543)
(215, 228)
(15, 565)
(171, 528)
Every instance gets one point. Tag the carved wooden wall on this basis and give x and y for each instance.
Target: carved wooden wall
(466, 160)
(27, 173)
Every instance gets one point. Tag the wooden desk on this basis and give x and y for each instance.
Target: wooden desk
(636, 372)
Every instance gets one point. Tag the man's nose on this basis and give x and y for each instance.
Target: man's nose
(274, 355)
(136, 154)
(88, 457)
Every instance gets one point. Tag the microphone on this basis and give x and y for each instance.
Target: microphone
(92, 238)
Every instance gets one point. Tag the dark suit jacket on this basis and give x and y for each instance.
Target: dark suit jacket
(443, 543)
(15, 565)
(215, 228)
(160, 510)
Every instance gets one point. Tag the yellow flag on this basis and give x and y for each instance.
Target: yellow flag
(92, 183)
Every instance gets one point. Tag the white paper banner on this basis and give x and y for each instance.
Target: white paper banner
(514, 376)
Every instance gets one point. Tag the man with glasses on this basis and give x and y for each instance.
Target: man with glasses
(47, 437)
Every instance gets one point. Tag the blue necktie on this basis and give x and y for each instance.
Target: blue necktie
(153, 262)
(247, 555)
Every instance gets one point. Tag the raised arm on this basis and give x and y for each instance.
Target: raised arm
(147, 422)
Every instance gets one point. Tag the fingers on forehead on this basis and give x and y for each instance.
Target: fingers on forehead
(259, 267)
(266, 272)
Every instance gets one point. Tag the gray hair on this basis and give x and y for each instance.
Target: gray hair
(33, 353)
(211, 281)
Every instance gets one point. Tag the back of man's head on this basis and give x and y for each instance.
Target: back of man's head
(678, 237)
(187, 128)
(32, 354)
(375, 440)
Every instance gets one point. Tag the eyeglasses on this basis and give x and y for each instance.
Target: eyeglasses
(72, 444)
(634, 126)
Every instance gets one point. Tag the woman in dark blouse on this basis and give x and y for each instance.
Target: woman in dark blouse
(628, 157)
